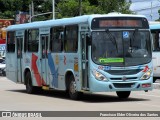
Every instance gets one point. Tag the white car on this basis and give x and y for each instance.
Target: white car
(2, 67)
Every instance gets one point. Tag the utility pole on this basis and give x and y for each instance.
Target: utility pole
(151, 10)
(80, 7)
(53, 8)
(31, 10)
(32, 4)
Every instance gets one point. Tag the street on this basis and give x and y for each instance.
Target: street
(14, 98)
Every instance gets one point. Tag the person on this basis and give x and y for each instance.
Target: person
(3, 31)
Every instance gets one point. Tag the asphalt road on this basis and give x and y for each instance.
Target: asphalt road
(14, 98)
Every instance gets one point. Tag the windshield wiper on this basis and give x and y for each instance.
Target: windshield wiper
(112, 38)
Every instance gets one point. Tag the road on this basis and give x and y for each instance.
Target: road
(14, 98)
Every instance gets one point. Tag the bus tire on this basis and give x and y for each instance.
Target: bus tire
(123, 94)
(154, 79)
(29, 87)
(73, 93)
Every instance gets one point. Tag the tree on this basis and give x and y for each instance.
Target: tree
(64, 8)
(115, 6)
(69, 8)
(11, 6)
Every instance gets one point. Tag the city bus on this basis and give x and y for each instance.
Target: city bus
(155, 31)
(83, 54)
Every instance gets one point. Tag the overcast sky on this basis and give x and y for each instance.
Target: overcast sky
(144, 7)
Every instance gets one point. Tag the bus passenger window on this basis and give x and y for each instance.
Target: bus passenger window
(11, 42)
(71, 39)
(156, 40)
(56, 39)
(33, 40)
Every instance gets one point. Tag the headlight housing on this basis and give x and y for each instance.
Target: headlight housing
(146, 75)
(98, 75)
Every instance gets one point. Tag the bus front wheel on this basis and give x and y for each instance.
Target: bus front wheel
(123, 94)
(73, 93)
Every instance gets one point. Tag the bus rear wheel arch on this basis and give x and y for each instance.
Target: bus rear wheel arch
(123, 94)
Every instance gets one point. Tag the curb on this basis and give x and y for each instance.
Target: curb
(156, 85)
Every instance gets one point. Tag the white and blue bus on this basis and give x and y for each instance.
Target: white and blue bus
(155, 31)
(90, 53)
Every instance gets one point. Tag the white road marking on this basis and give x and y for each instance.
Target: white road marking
(149, 95)
(148, 105)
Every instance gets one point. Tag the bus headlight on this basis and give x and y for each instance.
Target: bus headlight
(146, 75)
(98, 75)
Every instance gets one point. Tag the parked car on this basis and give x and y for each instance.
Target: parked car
(2, 67)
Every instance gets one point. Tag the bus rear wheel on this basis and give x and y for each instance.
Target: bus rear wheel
(123, 94)
(29, 86)
(73, 93)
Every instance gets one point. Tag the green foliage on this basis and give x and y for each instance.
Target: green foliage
(63, 8)
(69, 8)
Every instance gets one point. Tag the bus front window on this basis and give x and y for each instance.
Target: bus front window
(121, 48)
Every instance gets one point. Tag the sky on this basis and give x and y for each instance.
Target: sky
(143, 7)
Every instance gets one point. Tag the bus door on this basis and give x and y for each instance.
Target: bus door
(19, 47)
(44, 58)
(85, 83)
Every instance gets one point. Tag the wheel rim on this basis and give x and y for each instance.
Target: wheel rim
(72, 88)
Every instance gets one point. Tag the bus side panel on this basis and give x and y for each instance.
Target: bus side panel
(69, 63)
(59, 65)
(32, 62)
(56, 75)
(11, 66)
(156, 64)
(36, 70)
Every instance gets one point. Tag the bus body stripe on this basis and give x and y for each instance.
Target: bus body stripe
(36, 72)
(53, 70)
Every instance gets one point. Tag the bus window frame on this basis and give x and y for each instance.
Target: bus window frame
(37, 41)
(13, 40)
(65, 39)
(156, 40)
(52, 40)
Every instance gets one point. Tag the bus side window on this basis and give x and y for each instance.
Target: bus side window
(156, 40)
(56, 42)
(71, 38)
(25, 40)
(11, 42)
(33, 40)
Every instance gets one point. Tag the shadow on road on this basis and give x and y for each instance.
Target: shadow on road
(89, 98)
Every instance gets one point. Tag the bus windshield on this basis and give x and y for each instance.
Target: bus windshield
(121, 48)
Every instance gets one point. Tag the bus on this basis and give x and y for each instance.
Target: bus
(83, 54)
(155, 31)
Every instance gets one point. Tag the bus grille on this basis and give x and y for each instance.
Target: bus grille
(123, 85)
(127, 78)
(123, 72)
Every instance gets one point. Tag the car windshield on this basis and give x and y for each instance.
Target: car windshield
(121, 48)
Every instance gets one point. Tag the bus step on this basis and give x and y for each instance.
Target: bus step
(45, 87)
(86, 89)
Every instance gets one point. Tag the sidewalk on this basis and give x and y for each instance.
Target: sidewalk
(156, 85)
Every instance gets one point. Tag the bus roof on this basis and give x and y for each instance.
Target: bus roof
(66, 21)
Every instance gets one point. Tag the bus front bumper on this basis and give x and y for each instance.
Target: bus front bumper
(130, 85)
